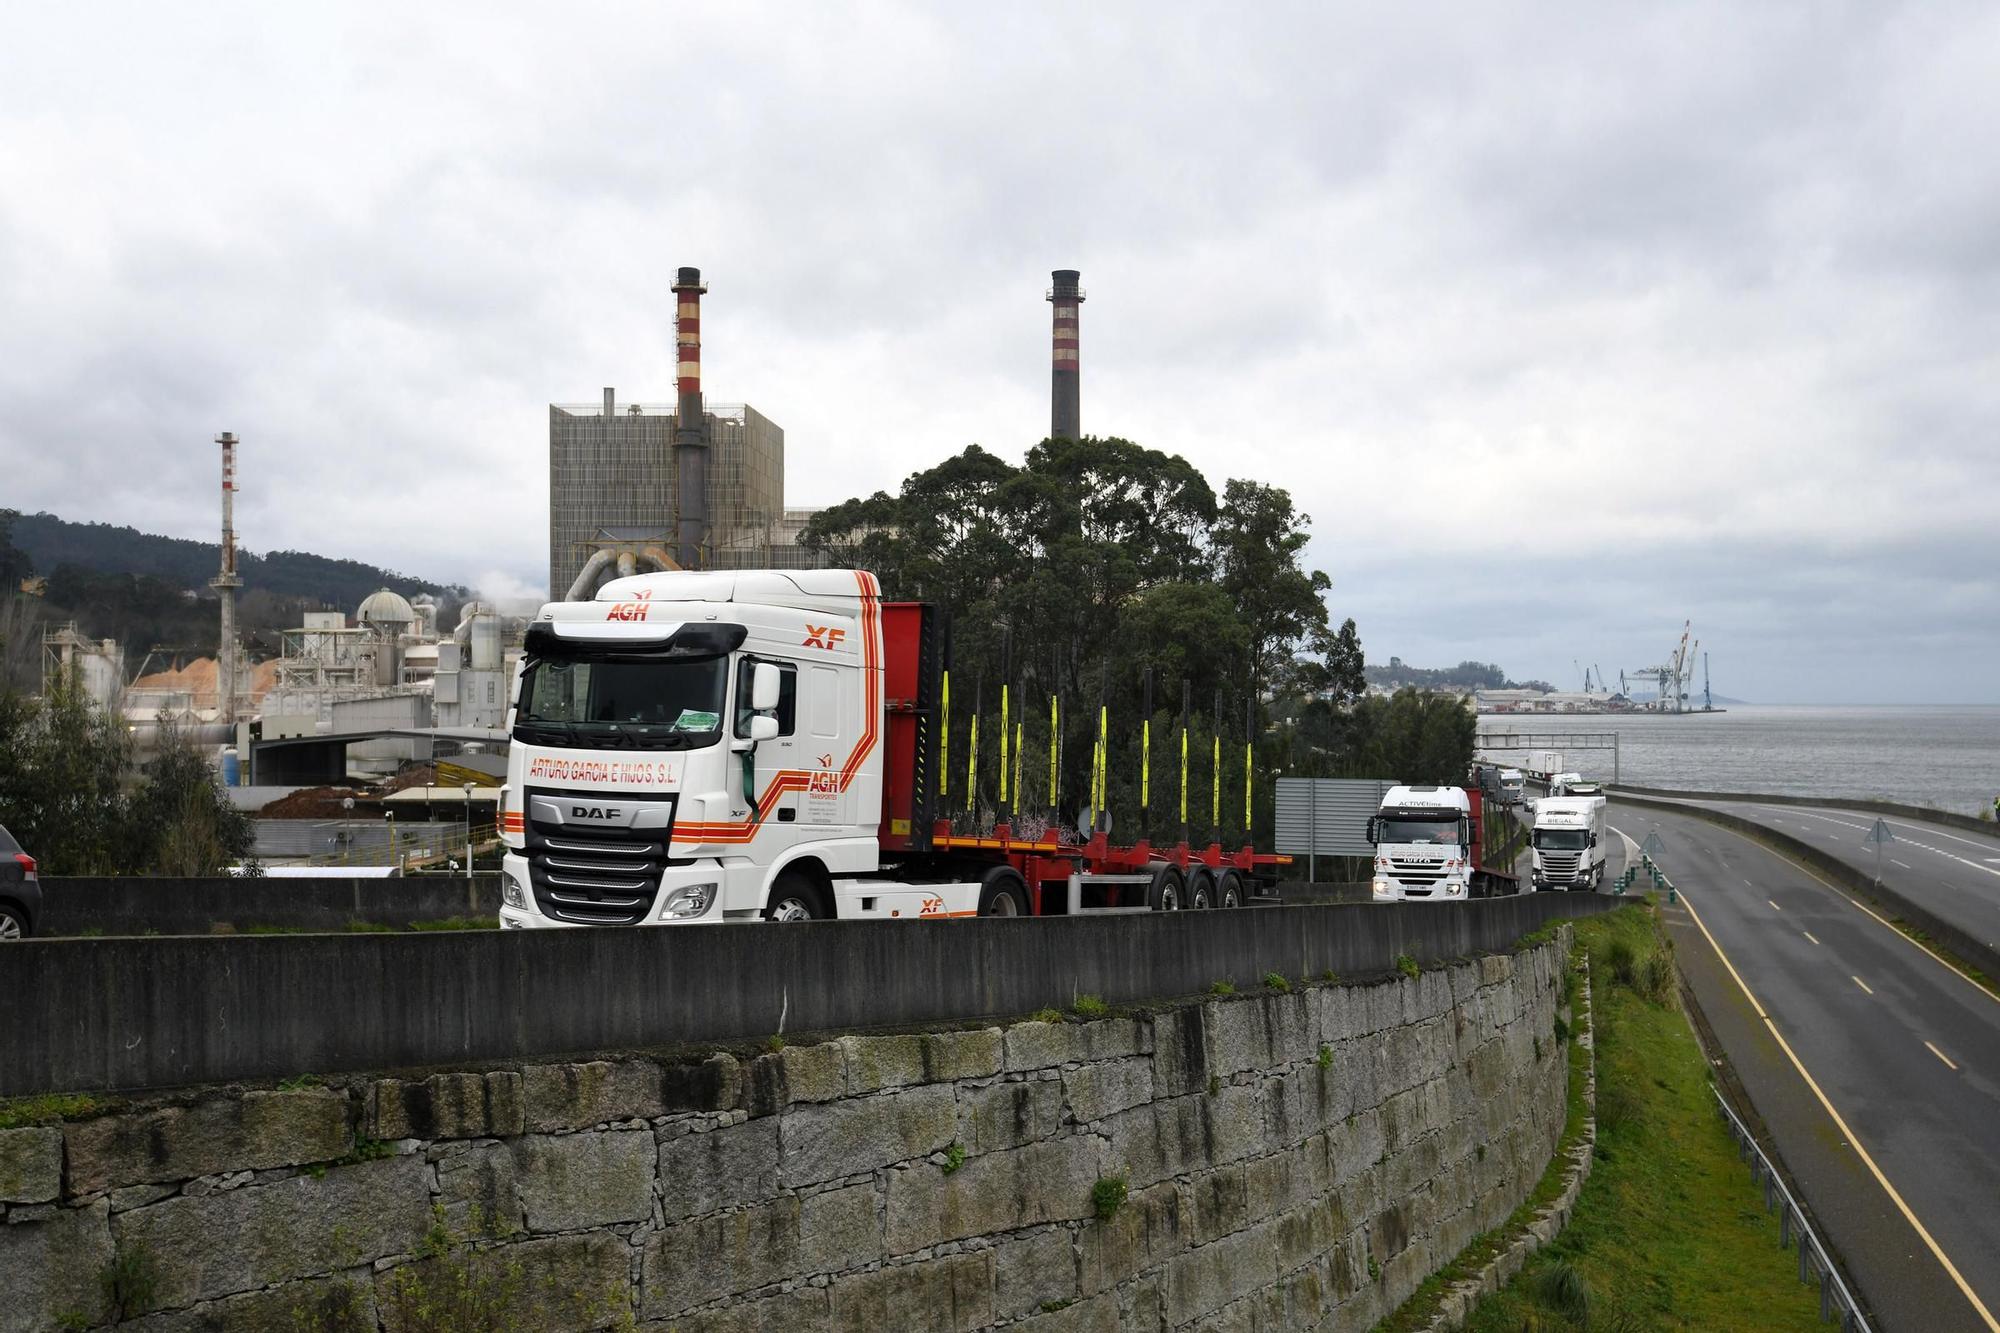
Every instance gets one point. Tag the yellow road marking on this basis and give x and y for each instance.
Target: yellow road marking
(1809, 935)
(1859, 982)
(1937, 1251)
(1941, 1055)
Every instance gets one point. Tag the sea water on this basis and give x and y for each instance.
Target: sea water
(1947, 758)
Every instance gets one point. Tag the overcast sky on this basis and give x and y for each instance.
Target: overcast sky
(1566, 324)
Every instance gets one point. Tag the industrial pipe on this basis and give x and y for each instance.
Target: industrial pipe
(659, 559)
(589, 577)
(628, 564)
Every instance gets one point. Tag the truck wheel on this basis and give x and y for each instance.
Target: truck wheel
(1200, 889)
(1229, 890)
(796, 898)
(1166, 892)
(1003, 893)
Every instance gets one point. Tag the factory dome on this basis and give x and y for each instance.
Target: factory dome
(384, 607)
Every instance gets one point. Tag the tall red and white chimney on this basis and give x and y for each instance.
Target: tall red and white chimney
(691, 536)
(1065, 409)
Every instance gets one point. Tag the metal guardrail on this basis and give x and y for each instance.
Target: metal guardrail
(1814, 1263)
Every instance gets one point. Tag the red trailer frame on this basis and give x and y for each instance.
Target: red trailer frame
(916, 649)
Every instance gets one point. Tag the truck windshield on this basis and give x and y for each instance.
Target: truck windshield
(623, 702)
(1562, 839)
(1400, 828)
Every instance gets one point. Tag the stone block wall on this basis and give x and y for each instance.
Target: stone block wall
(1291, 1160)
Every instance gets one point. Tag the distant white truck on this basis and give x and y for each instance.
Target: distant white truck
(1563, 784)
(1544, 764)
(1568, 843)
(1512, 781)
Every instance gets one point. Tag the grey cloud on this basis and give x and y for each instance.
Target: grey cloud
(1683, 308)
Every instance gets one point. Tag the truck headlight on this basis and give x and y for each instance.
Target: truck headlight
(512, 894)
(688, 900)
(1382, 889)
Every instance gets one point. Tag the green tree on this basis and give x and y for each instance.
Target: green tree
(61, 787)
(182, 822)
(1260, 539)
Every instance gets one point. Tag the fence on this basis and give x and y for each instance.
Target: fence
(1814, 1263)
(137, 1013)
(354, 842)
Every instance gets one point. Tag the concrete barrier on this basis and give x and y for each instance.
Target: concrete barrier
(148, 1013)
(1969, 948)
(142, 905)
(1918, 812)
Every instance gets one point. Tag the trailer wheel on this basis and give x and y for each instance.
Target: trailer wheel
(1167, 892)
(1229, 890)
(1003, 893)
(796, 898)
(1200, 889)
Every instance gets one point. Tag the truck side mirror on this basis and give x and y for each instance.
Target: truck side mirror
(763, 688)
(1374, 830)
(763, 727)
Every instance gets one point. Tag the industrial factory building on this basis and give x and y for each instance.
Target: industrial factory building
(613, 479)
(643, 486)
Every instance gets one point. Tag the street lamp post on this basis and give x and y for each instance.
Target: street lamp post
(467, 788)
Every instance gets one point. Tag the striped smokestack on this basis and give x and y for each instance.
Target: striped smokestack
(690, 426)
(225, 583)
(1065, 410)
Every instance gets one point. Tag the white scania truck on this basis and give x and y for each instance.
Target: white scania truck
(1568, 842)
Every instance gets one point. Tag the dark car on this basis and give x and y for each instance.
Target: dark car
(20, 890)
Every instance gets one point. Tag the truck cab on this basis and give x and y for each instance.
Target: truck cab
(1422, 838)
(683, 741)
(1512, 783)
(1568, 843)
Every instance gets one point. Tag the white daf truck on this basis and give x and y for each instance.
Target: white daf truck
(720, 745)
(1568, 843)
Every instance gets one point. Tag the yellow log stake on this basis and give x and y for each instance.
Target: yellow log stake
(1019, 742)
(1004, 728)
(1055, 730)
(944, 741)
(1146, 765)
(1215, 784)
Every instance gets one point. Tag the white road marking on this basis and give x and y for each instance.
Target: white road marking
(1809, 935)
(1859, 982)
(1774, 906)
(1913, 842)
(1894, 862)
(1942, 1056)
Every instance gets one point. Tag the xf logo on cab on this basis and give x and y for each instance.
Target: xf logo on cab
(824, 636)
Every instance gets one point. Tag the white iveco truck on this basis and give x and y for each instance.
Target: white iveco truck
(1568, 842)
(1427, 847)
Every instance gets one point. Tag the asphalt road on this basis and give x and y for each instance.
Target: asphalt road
(1949, 871)
(1891, 1088)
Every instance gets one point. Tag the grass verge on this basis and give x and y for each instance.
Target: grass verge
(1669, 1232)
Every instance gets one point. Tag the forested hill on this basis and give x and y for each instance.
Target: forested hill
(50, 543)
